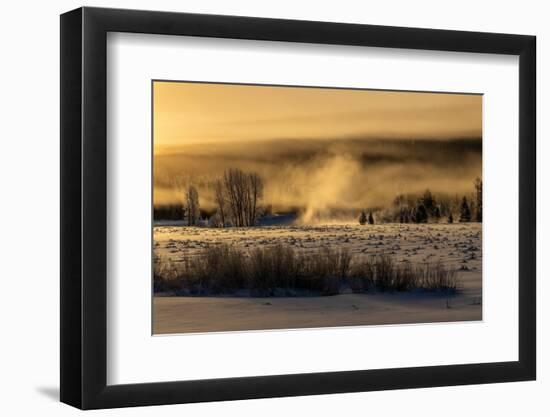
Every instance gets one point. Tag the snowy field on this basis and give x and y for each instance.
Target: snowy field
(456, 245)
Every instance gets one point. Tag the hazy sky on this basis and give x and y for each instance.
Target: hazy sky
(197, 112)
(314, 148)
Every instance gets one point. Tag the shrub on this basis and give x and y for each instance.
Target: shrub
(383, 274)
(266, 271)
(405, 278)
(165, 276)
(361, 277)
(271, 267)
(218, 269)
(324, 269)
(438, 277)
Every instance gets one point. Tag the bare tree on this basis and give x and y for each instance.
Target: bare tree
(242, 191)
(178, 183)
(232, 180)
(221, 200)
(193, 209)
(256, 189)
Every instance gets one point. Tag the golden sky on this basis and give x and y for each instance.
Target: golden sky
(193, 113)
(314, 148)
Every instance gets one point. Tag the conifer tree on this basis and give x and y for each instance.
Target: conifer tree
(465, 213)
(421, 215)
(479, 199)
(428, 201)
(371, 219)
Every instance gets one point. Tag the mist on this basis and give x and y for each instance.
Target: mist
(320, 177)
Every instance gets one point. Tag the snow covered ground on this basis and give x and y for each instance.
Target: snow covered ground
(456, 245)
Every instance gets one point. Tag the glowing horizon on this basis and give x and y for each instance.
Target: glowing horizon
(191, 113)
(314, 147)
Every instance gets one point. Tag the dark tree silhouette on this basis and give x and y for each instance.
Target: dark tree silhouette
(363, 217)
(421, 215)
(221, 200)
(450, 219)
(371, 219)
(465, 213)
(428, 201)
(478, 184)
(169, 212)
(255, 192)
(241, 191)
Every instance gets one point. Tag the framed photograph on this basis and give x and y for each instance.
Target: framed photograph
(259, 208)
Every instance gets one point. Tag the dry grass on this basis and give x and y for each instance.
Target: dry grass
(438, 277)
(219, 269)
(165, 276)
(282, 270)
(383, 274)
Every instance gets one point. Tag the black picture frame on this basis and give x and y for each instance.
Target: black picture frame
(84, 207)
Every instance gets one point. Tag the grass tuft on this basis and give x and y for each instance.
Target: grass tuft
(283, 270)
(383, 274)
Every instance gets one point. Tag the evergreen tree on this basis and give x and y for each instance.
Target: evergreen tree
(479, 199)
(421, 215)
(428, 201)
(371, 219)
(450, 219)
(465, 213)
(363, 217)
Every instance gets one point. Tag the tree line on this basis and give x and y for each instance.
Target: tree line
(237, 195)
(410, 209)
